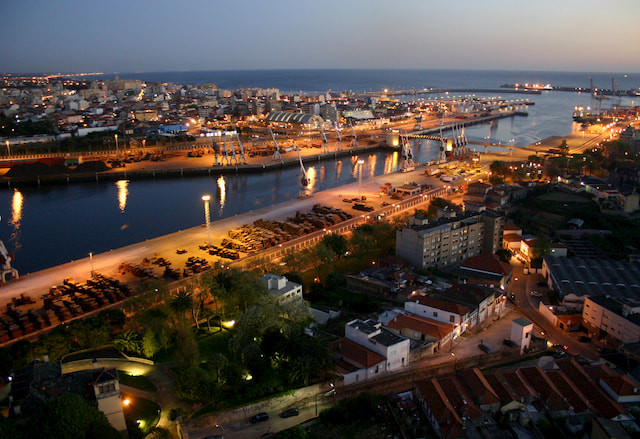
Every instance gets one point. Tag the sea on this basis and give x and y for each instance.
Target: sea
(51, 225)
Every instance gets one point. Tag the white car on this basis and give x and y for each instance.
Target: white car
(535, 294)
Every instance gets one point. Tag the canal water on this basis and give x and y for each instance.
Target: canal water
(51, 225)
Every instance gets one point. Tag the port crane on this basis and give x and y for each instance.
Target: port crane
(216, 148)
(354, 141)
(304, 179)
(443, 148)
(325, 142)
(408, 164)
(276, 148)
(339, 137)
(233, 158)
(243, 158)
(5, 264)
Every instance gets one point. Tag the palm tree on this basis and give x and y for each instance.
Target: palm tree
(180, 303)
(128, 341)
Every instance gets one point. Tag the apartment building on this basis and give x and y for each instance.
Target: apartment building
(450, 238)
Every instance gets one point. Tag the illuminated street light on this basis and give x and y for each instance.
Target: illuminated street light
(93, 273)
(117, 149)
(207, 218)
(8, 148)
(126, 402)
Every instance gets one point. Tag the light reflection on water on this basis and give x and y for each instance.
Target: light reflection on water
(16, 217)
(123, 192)
(222, 192)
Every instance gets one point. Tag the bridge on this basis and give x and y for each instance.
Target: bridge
(422, 91)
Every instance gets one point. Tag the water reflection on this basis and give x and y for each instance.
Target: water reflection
(222, 192)
(391, 162)
(16, 217)
(123, 193)
(373, 159)
(311, 175)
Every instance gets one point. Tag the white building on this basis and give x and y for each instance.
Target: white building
(521, 332)
(373, 336)
(281, 287)
(440, 310)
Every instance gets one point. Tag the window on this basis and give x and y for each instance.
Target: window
(452, 318)
(435, 314)
(106, 388)
(526, 335)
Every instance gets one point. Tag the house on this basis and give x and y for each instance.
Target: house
(281, 287)
(440, 310)
(616, 319)
(355, 362)
(488, 266)
(33, 386)
(373, 336)
(421, 329)
(621, 388)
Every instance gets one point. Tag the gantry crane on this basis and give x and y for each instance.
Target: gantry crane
(276, 148)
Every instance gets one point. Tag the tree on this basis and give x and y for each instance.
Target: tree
(187, 352)
(149, 343)
(504, 255)
(69, 416)
(336, 242)
(129, 341)
(219, 362)
(180, 303)
(498, 167)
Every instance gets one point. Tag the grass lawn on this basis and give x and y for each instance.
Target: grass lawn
(142, 410)
(139, 382)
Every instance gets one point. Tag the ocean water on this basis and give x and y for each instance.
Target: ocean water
(53, 225)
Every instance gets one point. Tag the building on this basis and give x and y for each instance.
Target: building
(488, 266)
(33, 386)
(592, 276)
(356, 363)
(521, 333)
(305, 119)
(373, 336)
(441, 310)
(615, 319)
(449, 239)
(281, 287)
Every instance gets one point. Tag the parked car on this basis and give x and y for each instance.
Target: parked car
(260, 417)
(289, 413)
(484, 348)
(535, 294)
(509, 343)
(562, 347)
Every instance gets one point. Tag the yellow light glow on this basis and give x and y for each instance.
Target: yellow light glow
(222, 186)
(16, 208)
(229, 324)
(126, 402)
(123, 193)
(311, 175)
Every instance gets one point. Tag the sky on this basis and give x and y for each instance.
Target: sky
(160, 35)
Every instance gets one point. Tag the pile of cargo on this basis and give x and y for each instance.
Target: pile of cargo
(194, 265)
(264, 234)
(137, 270)
(62, 303)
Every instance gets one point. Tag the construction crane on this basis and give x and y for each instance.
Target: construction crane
(243, 158)
(276, 148)
(216, 148)
(5, 264)
(225, 155)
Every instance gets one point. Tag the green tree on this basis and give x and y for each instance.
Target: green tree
(564, 148)
(150, 344)
(180, 303)
(219, 362)
(71, 417)
(501, 168)
(129, 341)
(187, 352)
(336, 242)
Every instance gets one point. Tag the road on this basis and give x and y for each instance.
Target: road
(521, 286)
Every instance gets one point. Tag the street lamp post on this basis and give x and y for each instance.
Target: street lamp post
(360, 163)
(207, 218)
(117, 149)
(8, 148)
(93, 273)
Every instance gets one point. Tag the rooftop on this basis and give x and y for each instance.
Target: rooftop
(597, 276)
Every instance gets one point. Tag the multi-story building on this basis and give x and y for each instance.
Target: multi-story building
(616, 318)
(450, 239)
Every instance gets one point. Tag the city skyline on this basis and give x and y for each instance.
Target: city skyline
(140, 36)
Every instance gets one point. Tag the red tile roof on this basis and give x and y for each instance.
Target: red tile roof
(479, 387)
(547, 391)
(422, 325)
(441, 409)
(621, 385)
(459, 398)
(444, 305)
(487, 262)
(358, 355)
(569, 390)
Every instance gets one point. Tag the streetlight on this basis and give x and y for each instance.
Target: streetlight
(117, 150)
(93, 273)
(207, 219)
(8, 148)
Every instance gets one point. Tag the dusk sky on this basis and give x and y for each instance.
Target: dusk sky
(161, 35)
